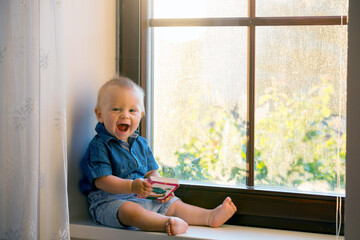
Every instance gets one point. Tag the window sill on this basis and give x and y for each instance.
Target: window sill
(87, 229)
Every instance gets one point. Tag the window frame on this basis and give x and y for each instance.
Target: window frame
(257, 207)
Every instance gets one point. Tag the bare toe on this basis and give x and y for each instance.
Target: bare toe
(168, 226)
(176, 226)
(231, 204)
(222, 213)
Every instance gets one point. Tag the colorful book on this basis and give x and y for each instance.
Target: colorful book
(162, 187)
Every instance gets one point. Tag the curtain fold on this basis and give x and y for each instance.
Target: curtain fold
(33, 158)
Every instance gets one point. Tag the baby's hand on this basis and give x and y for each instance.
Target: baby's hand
(167, 199)
(141, 187)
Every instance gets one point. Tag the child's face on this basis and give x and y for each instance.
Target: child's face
(120, 111)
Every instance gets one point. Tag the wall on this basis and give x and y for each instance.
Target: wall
(90, 51)
(352, 209)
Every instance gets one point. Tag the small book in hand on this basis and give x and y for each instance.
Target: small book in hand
(162, 187)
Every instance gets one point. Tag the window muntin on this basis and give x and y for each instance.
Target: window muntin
(236, 174)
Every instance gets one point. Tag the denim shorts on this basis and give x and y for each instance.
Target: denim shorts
(104, 206)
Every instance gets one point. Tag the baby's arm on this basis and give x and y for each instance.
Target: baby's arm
(116, 185)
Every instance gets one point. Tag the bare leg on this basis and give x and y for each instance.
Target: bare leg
(132, 214)
(194, 215)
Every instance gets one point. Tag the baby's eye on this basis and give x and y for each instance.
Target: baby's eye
(132, 110)
(115, 109)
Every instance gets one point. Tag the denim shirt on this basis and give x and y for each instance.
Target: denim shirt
(107, 155)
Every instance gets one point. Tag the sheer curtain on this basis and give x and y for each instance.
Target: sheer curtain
(33, 164)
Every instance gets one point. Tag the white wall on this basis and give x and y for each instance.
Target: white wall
(89, 61)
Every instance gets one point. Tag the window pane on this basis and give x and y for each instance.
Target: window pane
(272, 8)
(200, 103)
(199, 8)
(300, 107)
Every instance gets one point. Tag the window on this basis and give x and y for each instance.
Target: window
(249, 101)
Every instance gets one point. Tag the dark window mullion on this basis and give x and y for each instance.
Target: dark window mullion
(300, 21)
(250, 131)
(198, 22)
(143, 16)
(246, 21)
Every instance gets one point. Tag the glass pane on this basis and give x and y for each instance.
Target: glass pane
(199, 8)
(271, 8)
(200, 103)
(301, 107)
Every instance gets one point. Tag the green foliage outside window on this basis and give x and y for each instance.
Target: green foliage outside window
(299, 141)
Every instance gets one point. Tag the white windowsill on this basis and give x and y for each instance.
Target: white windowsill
(87, 229)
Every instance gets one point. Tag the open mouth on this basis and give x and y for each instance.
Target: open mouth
(123, 127)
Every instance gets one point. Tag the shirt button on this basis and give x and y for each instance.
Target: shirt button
(123, 170)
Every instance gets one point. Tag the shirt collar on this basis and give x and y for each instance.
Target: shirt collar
(106, 136)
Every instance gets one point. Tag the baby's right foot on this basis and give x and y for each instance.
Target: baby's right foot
(222, 213)
(176, 226)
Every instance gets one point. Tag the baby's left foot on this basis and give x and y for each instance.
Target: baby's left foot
(176, 226)
(222, 213)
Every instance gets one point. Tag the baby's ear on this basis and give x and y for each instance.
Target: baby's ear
(142, 114)
(98, 115)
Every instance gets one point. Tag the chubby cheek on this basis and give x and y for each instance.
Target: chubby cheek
(110, 126)
(135, 124)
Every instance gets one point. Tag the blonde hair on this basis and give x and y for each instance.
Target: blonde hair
(123, 82)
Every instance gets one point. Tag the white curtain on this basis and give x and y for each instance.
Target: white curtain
(33, 163)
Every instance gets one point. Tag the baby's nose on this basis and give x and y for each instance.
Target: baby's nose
(124, 115)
